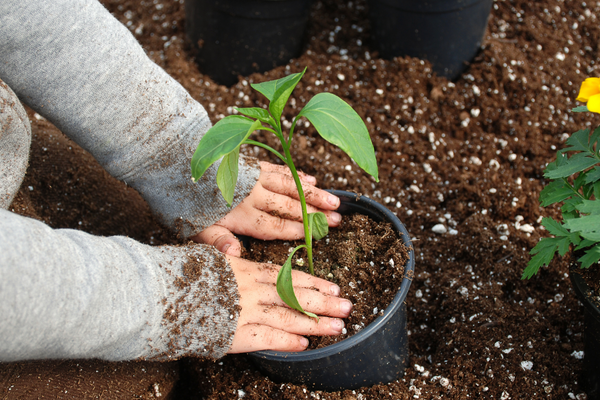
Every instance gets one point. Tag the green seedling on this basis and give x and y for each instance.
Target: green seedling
(333, 119)
(574, 181)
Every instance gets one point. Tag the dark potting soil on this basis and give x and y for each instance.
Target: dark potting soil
(364, 258)
(467, 154)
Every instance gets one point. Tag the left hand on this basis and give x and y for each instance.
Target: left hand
(271, 211)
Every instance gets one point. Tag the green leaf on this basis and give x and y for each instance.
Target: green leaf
(591, 207)
(584, 243)
(227, 175)
(255, 112)
(588, 223)
(544, 253)
(569, 208)
(282, 94)
(597, 190)
(340, 125)
(593, 176)
(591, 256)
(591, 236)
(555, 192)
(269, 88)
(318, 225)
(278, 92)
(579, 141)
(285, 287)
(580, 109)
(554, 227)
(224, 137)
(577, 163)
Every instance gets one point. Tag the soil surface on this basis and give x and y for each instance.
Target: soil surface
(467, 154)
(364, 258)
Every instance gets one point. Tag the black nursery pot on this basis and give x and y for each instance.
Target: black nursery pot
(377, 354)
(591, 359)
(240, 37)
(448, 33)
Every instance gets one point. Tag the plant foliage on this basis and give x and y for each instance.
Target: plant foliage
(333, 119)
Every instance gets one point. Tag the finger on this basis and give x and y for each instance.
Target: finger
(288, 208)
(293, 321)
(267, 273)
(312, 301)
(249, 338)
(221, 238)
(285, 185)
(282, 169)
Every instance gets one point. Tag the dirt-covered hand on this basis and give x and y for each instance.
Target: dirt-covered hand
(266, 323)
(271, 211)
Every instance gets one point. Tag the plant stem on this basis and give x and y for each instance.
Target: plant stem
(307, 234)
(266, 147)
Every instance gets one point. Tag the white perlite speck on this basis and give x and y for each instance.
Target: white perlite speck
(526, 365)
(439, 228)
(578, 355)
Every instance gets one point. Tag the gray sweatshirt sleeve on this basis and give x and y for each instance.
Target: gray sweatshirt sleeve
(68, 294)
(75, 64)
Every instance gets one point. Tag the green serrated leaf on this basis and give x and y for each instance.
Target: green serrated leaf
(593, 176)
(543, 254)
(340, 125)
(580, 109)
(555, 192)
(554, 227)
(586, 223)
(584, 243)
(224, 137)
(569, 208)
(255, 112)
(591, 207)
(318, 225)
(591, 256)
(579, 141)
(578, 162)
(227, 175)
(285, 287)
(591, 236)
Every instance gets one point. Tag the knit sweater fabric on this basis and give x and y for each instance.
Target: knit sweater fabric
(68, 294)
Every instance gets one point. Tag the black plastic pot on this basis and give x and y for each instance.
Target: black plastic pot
(240, 37)
(377, 354)
(448, 33)
(591, 359)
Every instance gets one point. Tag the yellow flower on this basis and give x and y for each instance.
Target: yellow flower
(590, 93)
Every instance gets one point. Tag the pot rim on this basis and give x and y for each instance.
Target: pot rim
(582, 290)
(393, 307)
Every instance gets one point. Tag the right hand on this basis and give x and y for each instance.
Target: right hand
(266, 323)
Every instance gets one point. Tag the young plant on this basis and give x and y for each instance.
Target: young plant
(575, 181)
(333, 119)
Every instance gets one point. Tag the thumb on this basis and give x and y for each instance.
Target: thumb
(221, 238)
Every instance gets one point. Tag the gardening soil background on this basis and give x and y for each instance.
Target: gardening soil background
(467, 155)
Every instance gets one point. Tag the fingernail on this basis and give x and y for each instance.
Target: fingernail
(337, 325)
(345, 307)
(310, 179)
(304, 342)
(334, 290)
(335, 217)
(333, 200)
(225, 247)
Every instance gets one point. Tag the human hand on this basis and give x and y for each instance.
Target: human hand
(266, 323)
(271, 211)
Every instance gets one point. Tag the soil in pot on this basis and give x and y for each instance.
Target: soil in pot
(365, 258)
